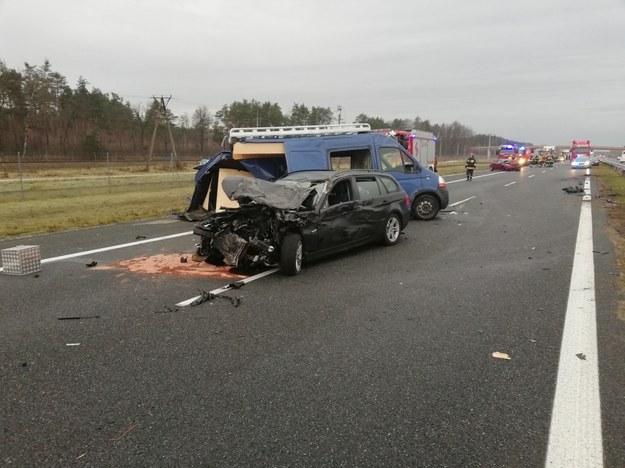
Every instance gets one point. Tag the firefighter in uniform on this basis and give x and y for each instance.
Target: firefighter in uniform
(470, 166)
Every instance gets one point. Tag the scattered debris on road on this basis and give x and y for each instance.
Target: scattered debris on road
(125, 433)
(206, 296)
(499, 355)
(91, 264)
(572, 189)
(79, 317)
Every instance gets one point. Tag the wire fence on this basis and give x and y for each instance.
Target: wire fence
(36, 179)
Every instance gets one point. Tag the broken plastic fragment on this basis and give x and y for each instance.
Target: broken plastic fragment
(91, 264)
(499, 355)
(79, 317)
(582, 356)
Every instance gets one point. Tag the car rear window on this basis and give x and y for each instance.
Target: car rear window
(368, 187)
(390, 184)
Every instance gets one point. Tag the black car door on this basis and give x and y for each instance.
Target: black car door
(340, 217)
(374, 205)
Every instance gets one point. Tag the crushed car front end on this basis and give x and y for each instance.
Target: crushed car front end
(250, 236)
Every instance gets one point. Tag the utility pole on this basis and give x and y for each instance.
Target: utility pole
(157, 118)
(161, 112)
(340, 109)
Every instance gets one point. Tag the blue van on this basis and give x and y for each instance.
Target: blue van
(272, 152)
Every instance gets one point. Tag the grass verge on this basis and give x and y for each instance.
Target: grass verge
(612, 192)
(58, 210)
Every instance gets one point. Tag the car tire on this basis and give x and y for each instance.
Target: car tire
(392, 230)
(291, 254)
(425, 207)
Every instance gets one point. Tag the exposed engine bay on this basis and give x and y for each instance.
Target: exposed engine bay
(246, 237)
(250, 236)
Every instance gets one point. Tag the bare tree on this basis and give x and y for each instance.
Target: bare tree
(202, 121)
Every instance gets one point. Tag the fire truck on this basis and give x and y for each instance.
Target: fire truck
(580, 148)
(418, 143)
(521, 154)
(507, 152)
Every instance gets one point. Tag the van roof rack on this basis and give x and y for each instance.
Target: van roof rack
(306, 130)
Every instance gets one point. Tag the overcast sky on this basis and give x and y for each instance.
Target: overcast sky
(542, 71)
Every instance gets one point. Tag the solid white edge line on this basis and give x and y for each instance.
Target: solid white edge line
(228, 287)
(511, 183)
(112, 247)
(575, 438)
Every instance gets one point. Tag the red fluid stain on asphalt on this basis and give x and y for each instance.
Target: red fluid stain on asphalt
(170, 264)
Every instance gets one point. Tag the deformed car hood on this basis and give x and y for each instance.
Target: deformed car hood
(250, 190)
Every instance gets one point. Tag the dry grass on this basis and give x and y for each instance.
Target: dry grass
(44, 211)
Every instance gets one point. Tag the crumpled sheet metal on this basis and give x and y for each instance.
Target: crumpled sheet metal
(274, 195)
(231, 246)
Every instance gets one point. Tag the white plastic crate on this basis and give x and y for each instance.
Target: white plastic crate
(21, 260)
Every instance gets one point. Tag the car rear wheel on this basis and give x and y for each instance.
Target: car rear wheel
(291, 254)
(392, 230)
(425, 207)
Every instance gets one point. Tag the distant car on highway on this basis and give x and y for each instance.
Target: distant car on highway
(580, 162)
(621, 158)
(594, 161)
(505, 165)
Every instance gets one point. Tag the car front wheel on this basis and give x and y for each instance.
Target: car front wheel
(291, 254)
(425, 207)
(392, 230)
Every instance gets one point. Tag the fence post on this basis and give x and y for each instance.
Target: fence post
(108, 170)
(19, 168)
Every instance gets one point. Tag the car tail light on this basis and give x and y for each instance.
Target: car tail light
(407, 200)
(441, 182)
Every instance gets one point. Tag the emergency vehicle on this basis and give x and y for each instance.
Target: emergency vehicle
(420, 144)
(580, 148)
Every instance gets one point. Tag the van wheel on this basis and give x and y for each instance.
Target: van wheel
(291, 254)
(425, 207)
(392, 230)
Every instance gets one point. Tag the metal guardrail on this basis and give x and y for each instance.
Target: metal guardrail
(617, 165)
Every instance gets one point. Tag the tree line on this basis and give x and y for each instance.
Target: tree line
(42, 117)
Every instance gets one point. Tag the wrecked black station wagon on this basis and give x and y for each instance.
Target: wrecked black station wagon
(302, 216)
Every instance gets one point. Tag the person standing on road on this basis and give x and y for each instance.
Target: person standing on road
(470, 166)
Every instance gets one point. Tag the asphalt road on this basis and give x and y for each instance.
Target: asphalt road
(378, 357)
